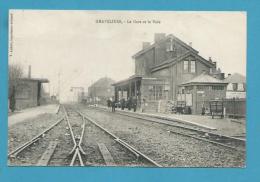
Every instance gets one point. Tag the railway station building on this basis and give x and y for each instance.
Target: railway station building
(161, 69)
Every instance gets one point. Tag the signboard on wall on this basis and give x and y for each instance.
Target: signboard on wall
(230, 95)
(200, 92)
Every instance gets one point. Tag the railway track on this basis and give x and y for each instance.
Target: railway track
(77, 130)
(78, 140)
(109, 146)
(185, 130)
(57, 149)
(23, 147)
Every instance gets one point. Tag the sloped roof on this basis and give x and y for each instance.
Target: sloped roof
(103, 82)
(164, 39)
(172, 61)
(236, 78)
(204, 78)
(42, 80)
(125, 81)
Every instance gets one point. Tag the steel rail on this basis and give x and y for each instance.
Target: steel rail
(123, 143)
(81, 137)
(201, 132)
(77, 149)
(77, 154)
(207, 140)
(223, 137)
(128, 147)
(15, 152)
(70, 128)
(150, 118)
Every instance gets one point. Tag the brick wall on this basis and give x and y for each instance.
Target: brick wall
(26, 94)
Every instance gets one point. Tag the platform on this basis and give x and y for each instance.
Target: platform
(31, 113)
(225, 126)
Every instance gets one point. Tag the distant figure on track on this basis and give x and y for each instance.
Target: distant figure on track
(109, 103)
(143, 106)
(113, 104)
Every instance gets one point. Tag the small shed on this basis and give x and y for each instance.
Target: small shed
(200, 90)
(29, 92)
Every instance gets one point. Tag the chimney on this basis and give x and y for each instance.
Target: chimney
(190, 44)
(215, 64)
(29, 71)
(222, 76)
(146, 44)
(210, 60)
(158, 36)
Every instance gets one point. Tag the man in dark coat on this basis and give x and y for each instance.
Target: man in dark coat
(134, 103)
(113, 104)
(108, 103)
(129, 103)
(122, 104)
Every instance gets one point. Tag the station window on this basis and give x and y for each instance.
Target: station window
(192, 66)
(202, 87)
(156, 92)
(235, 85)
(186, 66)
(189, 66)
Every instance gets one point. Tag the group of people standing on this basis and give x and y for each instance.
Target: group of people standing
(130, 103)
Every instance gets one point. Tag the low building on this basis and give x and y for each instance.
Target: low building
(236, 87)
(101, 90)
(77, 94)
(29, 93)
(160, 70)
(202, 89)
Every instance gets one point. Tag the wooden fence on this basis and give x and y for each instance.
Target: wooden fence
(235, 107)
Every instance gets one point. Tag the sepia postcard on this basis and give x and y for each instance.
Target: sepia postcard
(127, 88)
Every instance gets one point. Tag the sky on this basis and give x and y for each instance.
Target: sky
(72, 47)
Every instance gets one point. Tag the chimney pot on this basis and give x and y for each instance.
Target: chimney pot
(215, 64)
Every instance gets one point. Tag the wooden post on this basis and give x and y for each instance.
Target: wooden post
(130, 89)
(135, 90)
